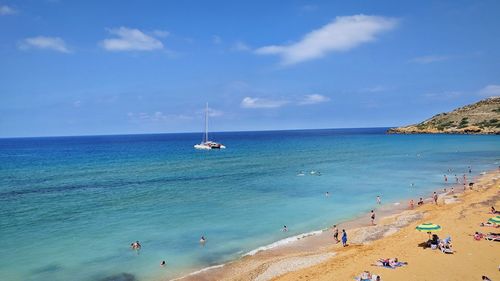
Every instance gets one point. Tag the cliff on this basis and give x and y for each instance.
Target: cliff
(482, 117)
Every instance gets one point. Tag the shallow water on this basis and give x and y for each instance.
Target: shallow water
(71, 206)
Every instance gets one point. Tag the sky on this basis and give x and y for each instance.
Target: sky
(130, 67)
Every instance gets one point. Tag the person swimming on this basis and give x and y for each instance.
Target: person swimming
(163, 263)
(136, 245)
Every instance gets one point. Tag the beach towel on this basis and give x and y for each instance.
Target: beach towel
(492, 237)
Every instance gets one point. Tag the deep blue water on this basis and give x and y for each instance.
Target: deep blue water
(71, 206)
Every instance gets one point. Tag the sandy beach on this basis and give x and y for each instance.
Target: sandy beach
(317, 257)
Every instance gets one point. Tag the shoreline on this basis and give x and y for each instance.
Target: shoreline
(312, 246)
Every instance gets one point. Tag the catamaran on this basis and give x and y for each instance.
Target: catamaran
(205, 143)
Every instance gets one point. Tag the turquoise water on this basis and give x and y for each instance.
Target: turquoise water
(71, 206)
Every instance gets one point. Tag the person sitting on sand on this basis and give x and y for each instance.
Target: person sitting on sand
(478, 236)
(434, 241)
(445, 245)
(420, 202)
(365, 276)
(494, 211)
(485, 278)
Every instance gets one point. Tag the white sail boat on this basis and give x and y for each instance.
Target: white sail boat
(205, 143)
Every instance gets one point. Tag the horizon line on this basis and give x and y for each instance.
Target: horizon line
(172, 133)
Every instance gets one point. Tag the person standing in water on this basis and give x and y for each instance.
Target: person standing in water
(373, 217)
(445, 178)
(285, 229)
(344, 238)
(470, 170)
(336, 233)
(379, 201)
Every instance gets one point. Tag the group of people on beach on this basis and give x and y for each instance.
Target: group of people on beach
(336, 235)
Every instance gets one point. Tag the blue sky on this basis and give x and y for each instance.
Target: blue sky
(118, 67)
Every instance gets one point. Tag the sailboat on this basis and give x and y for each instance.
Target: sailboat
(205, 143)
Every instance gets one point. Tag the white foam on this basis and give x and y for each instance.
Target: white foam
(283, 242)
(200, 271)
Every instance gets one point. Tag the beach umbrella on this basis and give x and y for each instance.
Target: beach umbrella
(428, 227)
(495, 220)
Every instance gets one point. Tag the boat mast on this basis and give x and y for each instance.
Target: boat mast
(206, 123)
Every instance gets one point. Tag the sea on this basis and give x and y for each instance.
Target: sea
(71, 206)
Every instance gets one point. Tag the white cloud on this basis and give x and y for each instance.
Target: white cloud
(313, 99)
(160, 33)
(43, 42)
(240, 46)
(490, 91)
(214, 113)
(429, 59)
(249, 102)
(375, 89)
(157, 116)
(6, 10)
(131, 39)
(446, 95)
(342, 34)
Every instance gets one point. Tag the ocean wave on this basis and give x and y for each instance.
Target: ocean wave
(200, 271)
(283, 242)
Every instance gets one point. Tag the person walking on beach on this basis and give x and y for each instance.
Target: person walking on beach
(379, 201)
(344, 238)
(336, 233)
(435, 197)
(452, 190)
(373, 217)
(412, 205)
